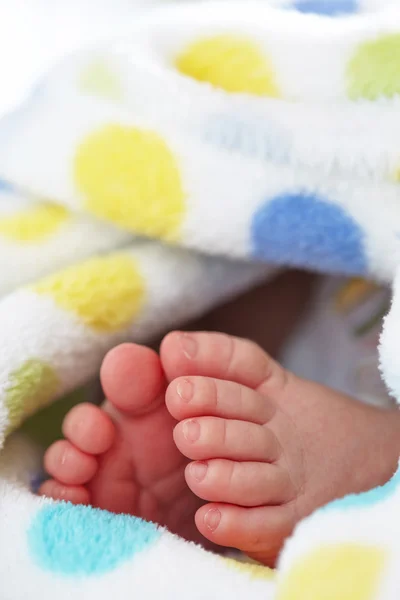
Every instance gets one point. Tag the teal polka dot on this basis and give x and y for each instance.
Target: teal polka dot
(82, 541)
(367, 499)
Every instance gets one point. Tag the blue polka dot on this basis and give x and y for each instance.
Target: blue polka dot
(247, 136)
(332, 8)
(38, 89)
(304, 230)
(5, 186)
(367, 499)
(78, 540)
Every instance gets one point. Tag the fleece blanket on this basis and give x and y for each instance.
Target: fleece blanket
(143, 182)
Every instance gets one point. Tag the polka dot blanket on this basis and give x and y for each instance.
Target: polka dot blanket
(143, 181)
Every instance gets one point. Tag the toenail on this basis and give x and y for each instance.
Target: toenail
(191, 431)
(64, 457)
(212, 519)
(189, 345)
(198, 470)
(185, 390)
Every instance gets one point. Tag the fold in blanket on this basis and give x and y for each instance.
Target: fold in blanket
(144, 182)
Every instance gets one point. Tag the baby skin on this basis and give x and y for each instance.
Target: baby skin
(215, 440)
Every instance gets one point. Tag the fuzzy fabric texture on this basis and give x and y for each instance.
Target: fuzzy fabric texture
(146, 180)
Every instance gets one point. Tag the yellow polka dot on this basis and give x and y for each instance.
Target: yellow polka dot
(255, 571)
(98, 79)
(353, 293)
(231, 63)
(341, 572)
(33, 385)
(130, 177)
(34, 224)
(106, 293)
(374, 69)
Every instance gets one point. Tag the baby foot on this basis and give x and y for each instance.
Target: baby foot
(267, 448)
(122, 457)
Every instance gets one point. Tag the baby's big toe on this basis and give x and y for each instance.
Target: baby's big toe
(133, 379)
(220, 356)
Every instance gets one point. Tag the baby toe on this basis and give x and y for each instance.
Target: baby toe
(211, 437)
(133, 379)
(67, 493)
(258, 532)
(245, 484)
(68, 464)
(204, 396)
(89, 429)
(220, 356)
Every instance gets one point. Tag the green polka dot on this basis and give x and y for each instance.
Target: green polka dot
(99, 80)
(374, 69)
(31, 387)
(45, 426)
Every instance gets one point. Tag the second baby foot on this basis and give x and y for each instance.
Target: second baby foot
(122, 457)
(267, 448)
